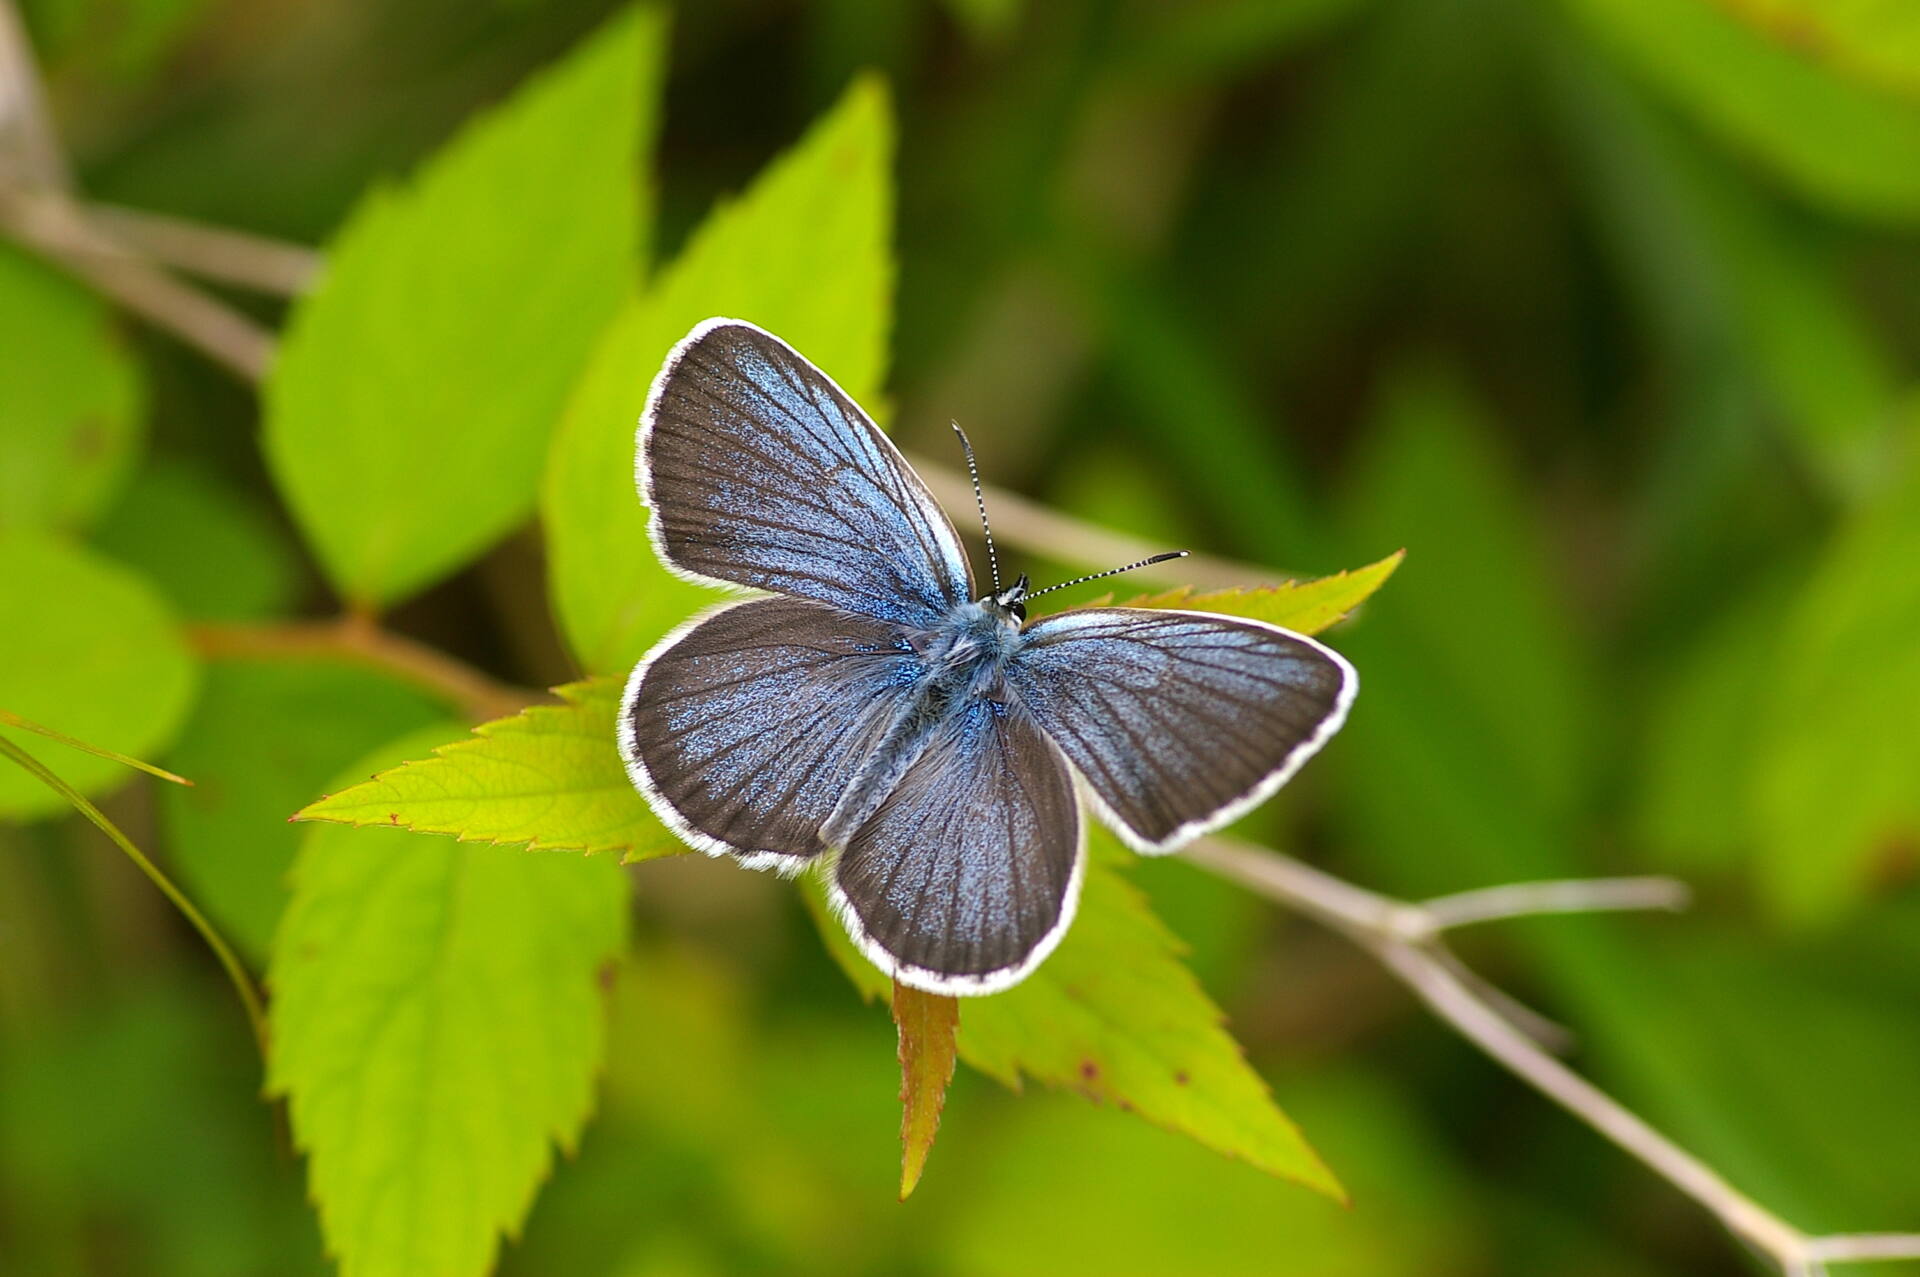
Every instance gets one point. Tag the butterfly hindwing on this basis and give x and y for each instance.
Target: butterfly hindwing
(761, 472)
(745, 728)
(966, 876)
(1179, 721)
(873, 715)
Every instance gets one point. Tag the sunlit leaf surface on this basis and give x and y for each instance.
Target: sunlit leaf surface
(437, 1025)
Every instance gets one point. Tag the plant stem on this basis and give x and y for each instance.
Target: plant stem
(11, 719)
(269, 266)
(359, 640)
(49, 222)
(1404, 936)
(236, 973)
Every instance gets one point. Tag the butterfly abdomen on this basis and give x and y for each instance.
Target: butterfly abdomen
(963, 661)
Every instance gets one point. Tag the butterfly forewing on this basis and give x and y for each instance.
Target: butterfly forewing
(872, 698)
(1179, 721)
(965, 877)
(745, 729)
(761, 472)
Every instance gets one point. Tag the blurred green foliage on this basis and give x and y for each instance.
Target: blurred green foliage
(1608, 310)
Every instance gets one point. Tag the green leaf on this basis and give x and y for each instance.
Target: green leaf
(804, 253)
(88, 649)
(1166, 1206)
(1847, 142)
(104, 41)
(1696, 1038)
(437, 1028)
(549, 777)
(1474, 698)
(988, 21)
(1864, 41)
(1836, 793)
(1115, 1015)
(216, 552)
(413, 398)
(927, 1022)
(138, 1098)
(1734, 284)
(1703, 737)
(264, 738)
(1213, 42)
(70, 421)
(1305, 607)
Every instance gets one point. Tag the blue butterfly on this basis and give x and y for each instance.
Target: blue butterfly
(867, 709)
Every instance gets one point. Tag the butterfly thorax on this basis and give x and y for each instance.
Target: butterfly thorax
(963, 663)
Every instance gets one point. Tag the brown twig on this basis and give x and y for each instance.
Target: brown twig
(50, 223)
(269, 266)
(28, 144)
(360, 641)
(1404, 935)
(1037, 529)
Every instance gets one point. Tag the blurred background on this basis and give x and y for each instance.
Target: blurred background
(1607, 310)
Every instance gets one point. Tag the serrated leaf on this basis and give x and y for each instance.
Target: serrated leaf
(550, 777)
(1836, 791)
(927, 1023)
(1305, 607)
(265, 736)
(1850, 142)
(90, 650)
(1116, 1015)
(70, 421)
(437, 1026)
(804, 253)
(414, 396)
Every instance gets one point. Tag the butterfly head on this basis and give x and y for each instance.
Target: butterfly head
(1009, 604)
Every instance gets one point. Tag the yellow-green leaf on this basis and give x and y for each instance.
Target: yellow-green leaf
(413, 399)
(90, 650)
(805, 253)
(1836, 792)
(550, 777)
(437, 1027)
(1305, 607)
(70, 417)
(1116, 1015)
(218, 551)
(927, 1023)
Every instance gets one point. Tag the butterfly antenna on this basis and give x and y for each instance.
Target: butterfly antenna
(986, 529)
(1082, 580)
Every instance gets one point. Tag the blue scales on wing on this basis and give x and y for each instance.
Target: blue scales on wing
(761, 472)
(746, 728)
(1179, 721)
(964, 878)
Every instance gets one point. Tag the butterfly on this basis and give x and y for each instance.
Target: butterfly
(864, 708)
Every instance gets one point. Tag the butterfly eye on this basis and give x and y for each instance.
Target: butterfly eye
(1019, 611)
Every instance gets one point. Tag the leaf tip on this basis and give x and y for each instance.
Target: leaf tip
(313, 811)
(928, 1023)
